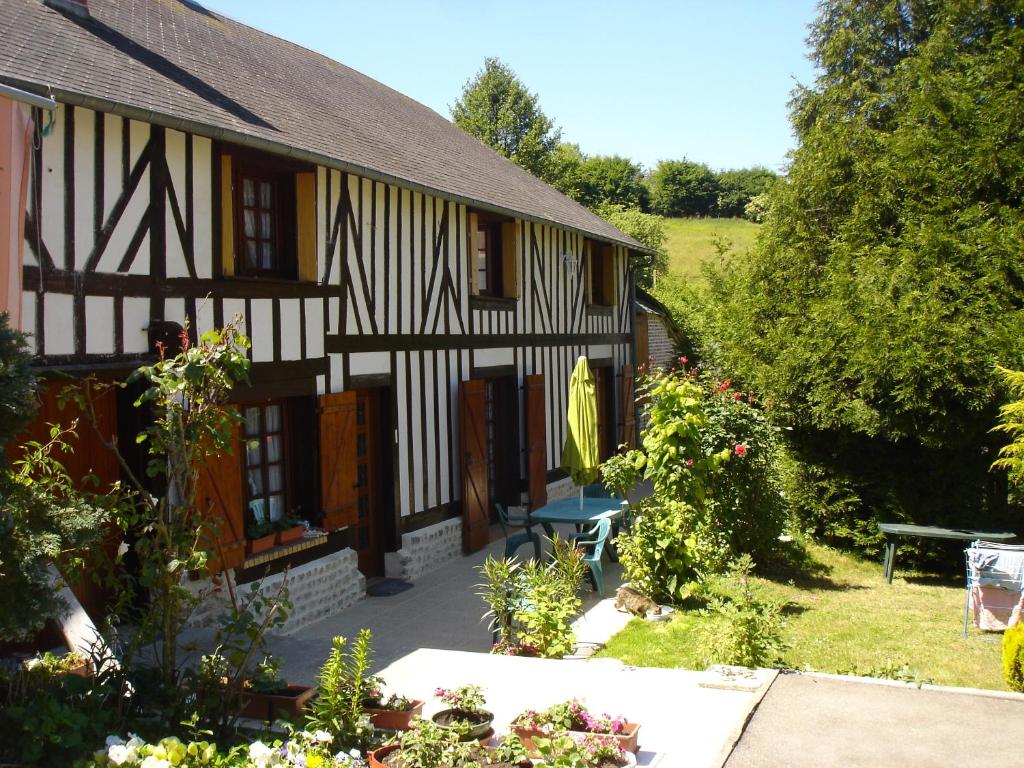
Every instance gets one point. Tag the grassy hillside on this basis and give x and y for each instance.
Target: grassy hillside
(690, 242)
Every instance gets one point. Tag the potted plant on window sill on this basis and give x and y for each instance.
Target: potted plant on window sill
(261, 537)
(391, 713)
(573, 718)
(465, 711)
(71, 663)
(289, 529)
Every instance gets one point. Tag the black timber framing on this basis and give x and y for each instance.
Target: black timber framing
(412, 342)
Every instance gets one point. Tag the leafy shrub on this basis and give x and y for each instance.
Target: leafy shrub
(620, 474)
(713, 458)
(657, 552)
(748, 627)
(532, 604)
(343, 685)
(1013, 657)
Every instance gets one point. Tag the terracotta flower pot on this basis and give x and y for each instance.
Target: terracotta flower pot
(262, 544)
(291, 534)
(627, 740)
(290, 701)
(379, 754)
(394, 719)
(478, 725)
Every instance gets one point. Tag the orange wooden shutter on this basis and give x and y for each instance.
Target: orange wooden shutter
(227, 217)
(510, 259)
(475, 492)
(219, 501)
(305, 225)
(628, 408)
(338, 459)
(536, 442)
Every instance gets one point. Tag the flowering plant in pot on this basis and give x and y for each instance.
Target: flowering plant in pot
(587, 751)
(391, 712)
(429, 745)
(572, 717)
(289, 528)
(260, 536)
(465, 705)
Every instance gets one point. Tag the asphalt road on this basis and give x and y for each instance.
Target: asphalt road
(806, 720)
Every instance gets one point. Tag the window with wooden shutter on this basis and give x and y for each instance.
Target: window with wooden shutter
(268, 216)
(494, 248)
(338, 481)
(536, 442)
(219, 501)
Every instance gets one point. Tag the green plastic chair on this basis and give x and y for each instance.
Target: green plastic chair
(592, 543)
(513, 522)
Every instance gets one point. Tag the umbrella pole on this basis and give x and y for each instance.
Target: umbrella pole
(581, 498)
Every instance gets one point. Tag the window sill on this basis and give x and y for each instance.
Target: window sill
(599, 310)
(311, 539)
(498, 303)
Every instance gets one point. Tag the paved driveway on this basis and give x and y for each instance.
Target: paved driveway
(821, 721)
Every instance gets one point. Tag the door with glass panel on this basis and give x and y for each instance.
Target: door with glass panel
(265, 482)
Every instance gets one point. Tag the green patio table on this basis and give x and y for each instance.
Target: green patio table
(570, 511)
(892, 530)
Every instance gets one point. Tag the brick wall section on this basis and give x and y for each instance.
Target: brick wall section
(316, 590)
(660, 345)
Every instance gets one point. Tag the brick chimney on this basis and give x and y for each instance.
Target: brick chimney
(79, 8)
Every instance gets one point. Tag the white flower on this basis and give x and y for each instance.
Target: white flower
(117, 754)
(261, 755)
(356, 754)
(122, 549)
(152, 761)
(323, 736)
(112, 740)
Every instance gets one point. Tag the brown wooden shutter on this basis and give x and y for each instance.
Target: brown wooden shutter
(473, 244)
(219, 501)
(628, 408)
(305, 225)
(227, 217)
(475, 491)
(536, 442)
(510, 259)
(589, 254)
(338, 493)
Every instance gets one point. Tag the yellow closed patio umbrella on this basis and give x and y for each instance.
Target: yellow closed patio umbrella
(580, 453)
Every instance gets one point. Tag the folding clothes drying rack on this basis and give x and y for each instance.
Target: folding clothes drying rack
(995, 585)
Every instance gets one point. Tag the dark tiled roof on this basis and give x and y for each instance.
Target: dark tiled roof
(174, 61)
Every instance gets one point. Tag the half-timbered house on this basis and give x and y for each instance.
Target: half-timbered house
(415, 301)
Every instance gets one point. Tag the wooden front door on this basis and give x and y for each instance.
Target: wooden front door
(473, 442)
(604, 391)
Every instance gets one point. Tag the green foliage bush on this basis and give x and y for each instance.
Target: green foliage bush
(683, 188)
(343, 685)
(657, 553)
(885, 284)
(737, 188)
(1013, 657)
(747, 627)
(531, 605)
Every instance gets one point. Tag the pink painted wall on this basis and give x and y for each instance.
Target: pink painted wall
(15, 138)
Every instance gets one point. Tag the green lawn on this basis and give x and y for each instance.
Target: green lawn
(846, 619)
(690, 242)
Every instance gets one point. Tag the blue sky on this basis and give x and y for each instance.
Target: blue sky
(708, 80)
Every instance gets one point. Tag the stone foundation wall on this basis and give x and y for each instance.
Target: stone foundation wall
(424, 550)
(316, 590)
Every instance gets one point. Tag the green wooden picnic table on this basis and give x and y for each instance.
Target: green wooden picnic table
(892, 530)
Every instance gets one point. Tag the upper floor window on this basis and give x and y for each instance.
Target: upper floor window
(493, 249)
(600, 274)
(488, 259)
(259, 236)
(268, 217)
